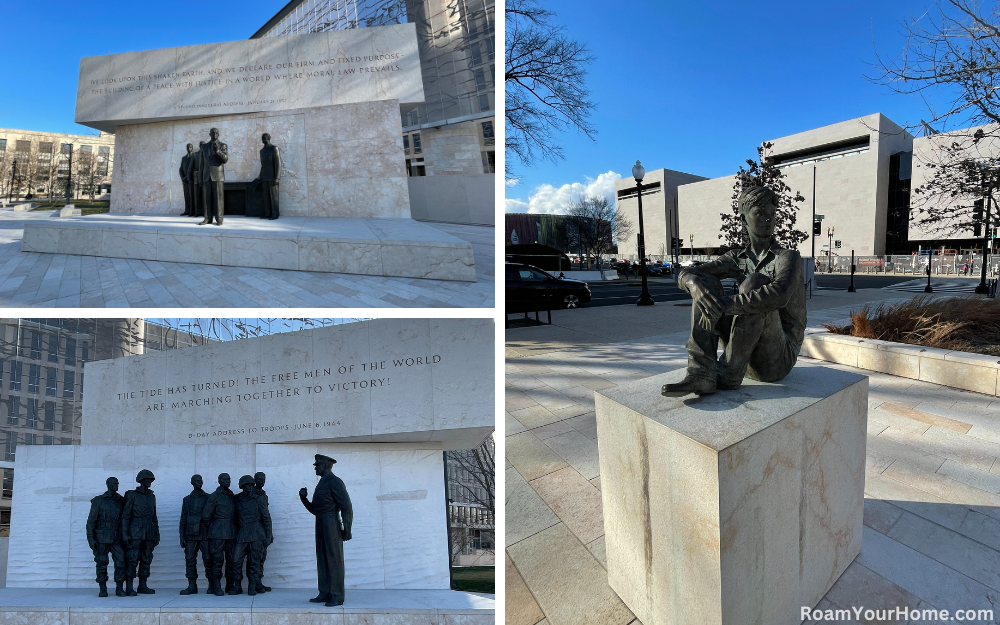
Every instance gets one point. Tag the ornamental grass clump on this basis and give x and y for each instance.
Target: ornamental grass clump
(960, 324)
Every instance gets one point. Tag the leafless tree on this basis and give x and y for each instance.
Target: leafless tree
(595, 227)
(951, 54)
(477, 486)
(544, 82)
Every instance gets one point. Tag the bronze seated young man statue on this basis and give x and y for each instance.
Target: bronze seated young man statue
(761, 327)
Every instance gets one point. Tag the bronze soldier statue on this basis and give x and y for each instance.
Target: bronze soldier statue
(197, 195)
(215, 155)
(270, 175)
(187, 182)
(104, 535)
(332, 507)
(219, 516)
(140, 532)
(194, 535)
(254, 523)
(259, 479)
(761, 327)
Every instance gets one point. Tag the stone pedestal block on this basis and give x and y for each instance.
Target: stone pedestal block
(733, 508)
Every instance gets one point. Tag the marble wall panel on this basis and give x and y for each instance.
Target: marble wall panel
(409, 356)
(55, 484)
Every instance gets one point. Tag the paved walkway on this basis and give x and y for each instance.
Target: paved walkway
(65, 281)
(932, 492)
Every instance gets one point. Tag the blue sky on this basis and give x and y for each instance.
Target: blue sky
(44, 41)
(697, 86)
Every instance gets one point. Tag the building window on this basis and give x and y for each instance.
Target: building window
(417, 149)
(13, 409)
(488, 138)
(44, 161)
(406, 144)
(480, 80)
(484, 103)
(3, 148)
(103, 158)
(16, 367)
(85, 352)
(50, 415)
(36, 344)
(53, 348)
(65, 158)
(8, 486)
(30, 439)
(70, 352)
(489, 166)
(410, 119)
(34, 375)
(48, 440)
(22, 152)
(50, 382)
(67, 416)
(69, 383)
(11, 447)
(415, 167)
(32, 418)
(475, 54)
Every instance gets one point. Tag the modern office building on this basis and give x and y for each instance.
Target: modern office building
(41, 163)
(861, 169)
(659, 212)
(42, 381)
(471, 522)
(448, 141)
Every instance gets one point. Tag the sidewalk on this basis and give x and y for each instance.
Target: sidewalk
(932, 507)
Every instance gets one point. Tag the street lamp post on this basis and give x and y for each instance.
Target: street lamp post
(638, 172)
(13, 174)
(829, 250)
(982, 289)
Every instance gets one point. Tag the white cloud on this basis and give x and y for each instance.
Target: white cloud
(551, 200)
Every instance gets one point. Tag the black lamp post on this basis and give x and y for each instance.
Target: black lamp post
(638, 172)
(69, 178)
(13, 175)
(928, 289)
(982, 289)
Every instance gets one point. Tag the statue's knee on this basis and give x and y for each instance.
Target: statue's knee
(753, 281)
(712, 285)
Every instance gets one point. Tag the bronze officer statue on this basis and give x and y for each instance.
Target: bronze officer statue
(104, 535)
(254, 532)
(194, 535)
(332, 507)
(215, 155)
(140, 532)
(186, 162)
(761, 327)
(270, 175)
(219, 517)
(197, 195)
(259, 480)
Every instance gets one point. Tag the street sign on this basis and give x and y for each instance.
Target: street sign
(820, 217)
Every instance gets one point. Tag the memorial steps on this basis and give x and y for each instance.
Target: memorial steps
(376, 247)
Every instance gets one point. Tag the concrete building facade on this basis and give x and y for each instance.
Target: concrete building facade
(857, 169)
(448, 140)
(659, 212)
(45, 161)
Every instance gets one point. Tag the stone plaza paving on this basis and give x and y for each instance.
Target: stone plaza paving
(68, 281)
(932, 489)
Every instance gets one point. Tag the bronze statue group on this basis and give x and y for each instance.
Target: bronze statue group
(203, 175)
(228, 529)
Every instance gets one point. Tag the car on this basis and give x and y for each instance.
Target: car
(530, 288)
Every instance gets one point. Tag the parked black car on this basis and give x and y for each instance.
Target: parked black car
(529, 288)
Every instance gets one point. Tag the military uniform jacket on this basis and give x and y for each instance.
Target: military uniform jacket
(331, 497)
(270, 164)
(191, 525)
(186, 167)
(104, 522)
(214, 162)
(252, 518)
(219, 515)
(139, 516)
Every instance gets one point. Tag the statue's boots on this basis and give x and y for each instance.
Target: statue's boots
(690, 384)
(333, 602)
(251, 589)
(144, 589)
(237, 589)
(129, 592)
(119, 591)
(262, 588)
(217, 585)
(192, 588)
(104, 589)
(322, 597)
(229, 584)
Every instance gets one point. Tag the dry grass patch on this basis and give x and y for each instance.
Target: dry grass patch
(954, 323)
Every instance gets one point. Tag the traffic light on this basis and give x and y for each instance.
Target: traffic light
(817, 228)
(836, 244)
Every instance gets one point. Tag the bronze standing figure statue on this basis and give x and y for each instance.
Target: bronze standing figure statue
(197, 195)
(331, 505)
(140, 532)
(254, 532)
(186, 162)
(259, 480)
(194, 535)
(104, 535)
(761, 327)
(270, 176)
(215, 155)
(219, 516)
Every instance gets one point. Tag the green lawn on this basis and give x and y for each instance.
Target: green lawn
(86, 206)
(474, 579)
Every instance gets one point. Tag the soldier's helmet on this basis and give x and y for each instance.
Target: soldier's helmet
(246, 479)
(145, 474)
